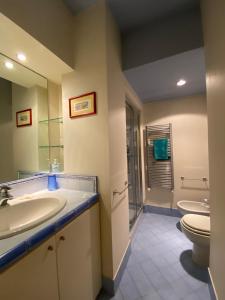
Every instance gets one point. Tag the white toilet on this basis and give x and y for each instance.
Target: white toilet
(197, 229)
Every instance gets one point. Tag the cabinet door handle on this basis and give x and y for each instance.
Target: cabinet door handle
(50, 248)
(62, 238)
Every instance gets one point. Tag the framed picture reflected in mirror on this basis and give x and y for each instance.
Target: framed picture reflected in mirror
(24, 118)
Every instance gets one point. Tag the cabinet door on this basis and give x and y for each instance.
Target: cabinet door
(78, 256)
(34, 277)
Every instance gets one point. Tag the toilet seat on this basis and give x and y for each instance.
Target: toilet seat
(197, 232)
(197, 223)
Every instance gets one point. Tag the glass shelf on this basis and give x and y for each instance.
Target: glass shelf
(50, 146)
(56, 120)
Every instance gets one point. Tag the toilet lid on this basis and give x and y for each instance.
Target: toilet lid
(197, 222)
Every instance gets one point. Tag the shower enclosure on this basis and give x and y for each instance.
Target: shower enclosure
(133, 163)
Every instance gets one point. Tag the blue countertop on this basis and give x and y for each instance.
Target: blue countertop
(14, 247)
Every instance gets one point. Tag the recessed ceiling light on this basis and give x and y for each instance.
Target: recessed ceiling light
(21, 56)
(181, 82)
(9, 65)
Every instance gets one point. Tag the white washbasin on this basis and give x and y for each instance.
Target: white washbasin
(21, 215)
(193, 207)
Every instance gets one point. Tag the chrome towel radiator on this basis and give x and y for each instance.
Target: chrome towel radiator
(159, 173)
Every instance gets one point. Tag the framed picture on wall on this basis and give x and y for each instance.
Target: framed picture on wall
(83, 105)
(24, 118)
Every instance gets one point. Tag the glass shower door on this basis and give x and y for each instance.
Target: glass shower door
(133, 163)
(137, 165)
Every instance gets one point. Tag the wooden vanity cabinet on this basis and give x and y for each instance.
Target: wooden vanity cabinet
(65, 267)
(33, 277)
(78, 257)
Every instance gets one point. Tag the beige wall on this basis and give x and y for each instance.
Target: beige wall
(117, 143)
(19, 149)
(6, 130)
(26, 154)
(43, 131)
(119, 91)
(214, 38)
(55, 127)
(25, 139)
(86, 148)
(188, 117)
(97, 144)
(48, 21)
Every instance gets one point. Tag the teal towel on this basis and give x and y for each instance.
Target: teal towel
(160, 149)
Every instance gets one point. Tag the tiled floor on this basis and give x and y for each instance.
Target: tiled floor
(160, 265)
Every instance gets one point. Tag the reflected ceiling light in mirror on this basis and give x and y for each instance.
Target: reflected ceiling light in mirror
(181, 82)
(21, 56)
(9, 65)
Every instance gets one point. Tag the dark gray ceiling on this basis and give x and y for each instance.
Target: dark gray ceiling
(157, 80)
(151, 25)
(132, 13)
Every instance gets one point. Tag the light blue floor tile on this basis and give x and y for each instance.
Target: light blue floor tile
(169, 274)
(152, 296)
(142, 282)
(177, 267)
(159, 260)
(118, 295)
(203, 293)
(181, 288)
(132, 261)
(149, 268)
(130, 292)
(193, 282)
(126, 279)
(192, 296)
(128, 287)
(158, 281)
(167, 293)
(171, 257)
(160, 266)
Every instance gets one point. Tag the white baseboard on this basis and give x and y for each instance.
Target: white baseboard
(122, 260)
(212, 287)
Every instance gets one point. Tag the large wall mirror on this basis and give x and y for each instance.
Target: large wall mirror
(24, 143)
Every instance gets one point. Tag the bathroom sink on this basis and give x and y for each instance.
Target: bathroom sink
(21, 215)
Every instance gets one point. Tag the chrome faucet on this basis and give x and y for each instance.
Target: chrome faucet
(5, 196)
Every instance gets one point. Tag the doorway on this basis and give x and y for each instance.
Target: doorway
(133, 163)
